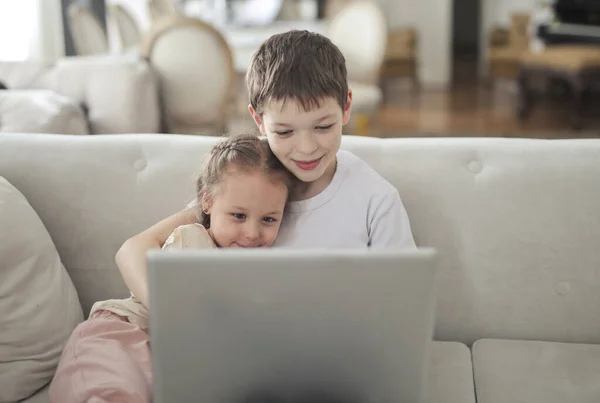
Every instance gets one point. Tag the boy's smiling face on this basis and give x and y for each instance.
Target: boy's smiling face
(306, 142)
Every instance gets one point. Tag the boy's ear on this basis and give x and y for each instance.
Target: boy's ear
(257, 119)
(348, 108)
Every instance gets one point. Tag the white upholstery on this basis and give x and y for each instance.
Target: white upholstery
(450, 374)
(121, 93)
(21, 75)
(40, 111)
(38, 301)
(118, 93)
(40, 397)
(533, 371)
(516, 222)
(88, 35)
(195, 68)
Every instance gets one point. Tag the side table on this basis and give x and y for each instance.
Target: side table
(574, 64)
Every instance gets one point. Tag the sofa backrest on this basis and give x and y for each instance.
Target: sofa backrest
(516, 222)
(118, 93)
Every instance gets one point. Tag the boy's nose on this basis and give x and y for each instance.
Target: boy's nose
(307, 144)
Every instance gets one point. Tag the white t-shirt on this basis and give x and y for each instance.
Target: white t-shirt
(358, 209)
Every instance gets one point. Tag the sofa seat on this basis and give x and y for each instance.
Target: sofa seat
(450, 376)
(534, 371)
(40, 397)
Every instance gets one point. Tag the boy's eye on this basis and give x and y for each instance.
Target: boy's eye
(239, 216)
(270, 219)
(283, 133)
(327, 127)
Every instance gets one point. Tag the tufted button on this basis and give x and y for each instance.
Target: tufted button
(475, 167)
(562, 288)
(139, 164)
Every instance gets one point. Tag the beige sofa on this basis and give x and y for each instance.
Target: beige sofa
(516, 222)
(80, 95)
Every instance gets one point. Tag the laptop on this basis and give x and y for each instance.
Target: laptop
(291, 326)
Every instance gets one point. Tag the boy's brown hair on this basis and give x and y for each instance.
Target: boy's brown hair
(304, 66)
(246, 151)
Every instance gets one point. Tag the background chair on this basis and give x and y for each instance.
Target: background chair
(506, 46)
(195, 69)
(401, 54)
(364, 50)
(88, 34)
(126, 26)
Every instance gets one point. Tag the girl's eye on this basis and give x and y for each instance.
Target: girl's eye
(269, 220)
(325, 127)
(286, 132)
(239, 216)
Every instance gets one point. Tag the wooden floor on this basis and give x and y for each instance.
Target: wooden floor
(471, 109)
(466, 109)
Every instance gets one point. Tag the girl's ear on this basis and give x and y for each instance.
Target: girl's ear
(206, 203)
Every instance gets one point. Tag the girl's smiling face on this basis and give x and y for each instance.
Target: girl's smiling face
(246, 209)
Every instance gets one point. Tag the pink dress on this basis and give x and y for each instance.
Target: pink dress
(107, 357)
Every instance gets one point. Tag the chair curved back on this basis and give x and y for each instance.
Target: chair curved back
(359, 29)
(195, 67)
(127, 27)
(88, 35)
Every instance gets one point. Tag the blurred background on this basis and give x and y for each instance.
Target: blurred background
(512, 68)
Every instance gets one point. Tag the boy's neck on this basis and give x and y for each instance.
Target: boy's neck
(310, 190)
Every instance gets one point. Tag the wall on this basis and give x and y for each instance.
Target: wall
(433, 20)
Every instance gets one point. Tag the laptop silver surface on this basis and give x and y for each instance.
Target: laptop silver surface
(273, 325)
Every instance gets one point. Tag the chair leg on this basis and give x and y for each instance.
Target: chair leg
(578, 86)
(524, 103)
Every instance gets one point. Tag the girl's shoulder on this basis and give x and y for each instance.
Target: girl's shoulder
(189, 236)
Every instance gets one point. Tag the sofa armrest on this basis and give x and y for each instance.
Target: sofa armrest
(119, 93)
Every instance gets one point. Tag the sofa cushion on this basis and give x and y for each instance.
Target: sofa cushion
(40, 111)
(120, 91)
(534, 371)
(38, 301)
(450, 374)
(42, 396)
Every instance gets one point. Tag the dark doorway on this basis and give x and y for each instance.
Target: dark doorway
(466, 17)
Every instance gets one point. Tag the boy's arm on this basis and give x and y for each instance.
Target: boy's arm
(131, 257)
(389, 225)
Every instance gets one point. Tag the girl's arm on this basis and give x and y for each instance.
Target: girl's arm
(131, 257)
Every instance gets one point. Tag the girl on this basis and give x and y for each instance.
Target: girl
(241, 195)
(300, 100)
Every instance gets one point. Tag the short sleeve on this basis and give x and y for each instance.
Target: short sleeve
(193, 205)
(389, 225)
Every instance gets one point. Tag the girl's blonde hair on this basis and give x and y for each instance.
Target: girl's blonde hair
(246, 151)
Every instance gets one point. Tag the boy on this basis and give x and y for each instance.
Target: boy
(299, 99)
